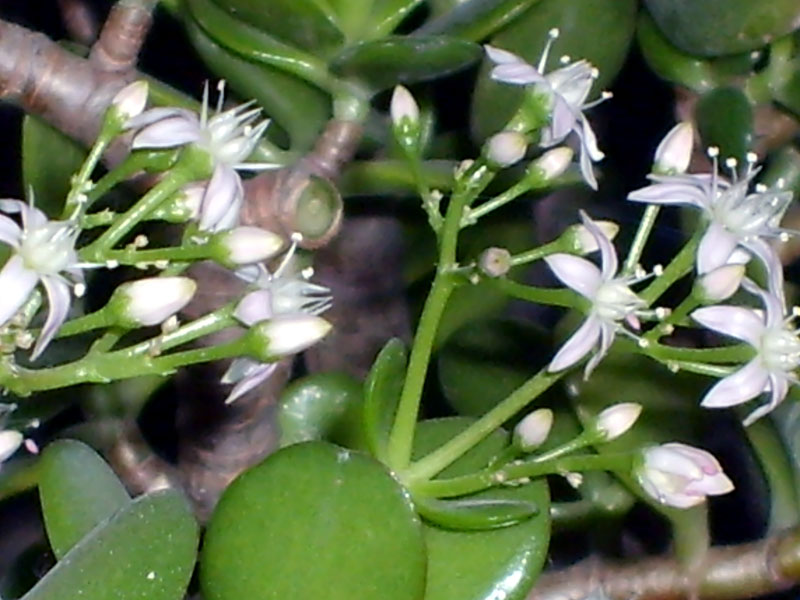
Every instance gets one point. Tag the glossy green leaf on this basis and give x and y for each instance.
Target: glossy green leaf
(474, 515)
(715, 27)
(49, 159)
(351, 16)
(78, 491)
(725, 119)
(307, 24)
(788, 94)
(322, 406)
(785, 165)
(581, 23)
(475, 20)
(314, 520)
(669, 62)
(383, 63)
(382, 390)
(386, 15)
(482, 565)
(146, 550)
(296, 106)
(486, 360)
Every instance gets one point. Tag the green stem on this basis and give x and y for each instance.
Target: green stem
(678, 314)
(515, 191)
(132, 164)
(677, 268)
(539, 253)
(451, 451)
(551, 296)
(475, 482)
(179, 253)
(640, 239)
(95, 320)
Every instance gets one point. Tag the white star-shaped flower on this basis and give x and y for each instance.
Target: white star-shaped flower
(777, 353)
(612, 301)
(43, 251)
(566, 88)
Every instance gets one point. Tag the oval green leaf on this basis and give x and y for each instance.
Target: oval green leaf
(481, 565)
(473, 20)
(311, 521)
(322, 406)
(383, 63)
(474, 514)
(146, 550)
(581, 24)
(715, 27)
(725, 119)
(382, 390)
(78, 491)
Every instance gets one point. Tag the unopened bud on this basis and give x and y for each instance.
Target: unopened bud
(719, 284)
(532, 431)
(495, 262)
(150, 301)
(130, 100)
(506, 148)
(552, 163)
(10, 441)
(244, 245)
(285, 335)
(583, 242)
(675, 151)
(403, 107)
(617, 419)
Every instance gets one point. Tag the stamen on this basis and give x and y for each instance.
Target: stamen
(731, 164)
(220, 95)
(79, 289)
(551, 37)
(565, 59)
(761, 188)
(204, 107)
(595, 72)
(781, 183)
(605, 95)
(296, 238)
(713, 154)
(307, 273)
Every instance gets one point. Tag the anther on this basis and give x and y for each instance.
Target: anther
(554, 33)
(713, 151)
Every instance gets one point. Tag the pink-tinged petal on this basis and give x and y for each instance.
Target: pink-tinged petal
(671, 194)
(16, 283)
(576, 273)
(711, 485)
(741, 323)
(500, 56)
(577, 346)
(167, 133)
(10, 232)
(772, 262)
(774, 308)
(562, 122)
(159, 114)
(252, 380)
(222, 200)
(608, 255)
(745, 384)
(254, 307)
(715, 248)
(517, 74)
(778, 387)
(587, 170)
(607, 332)
(58, 300)
(589, 140)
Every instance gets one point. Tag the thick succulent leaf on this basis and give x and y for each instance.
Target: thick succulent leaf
(725, 119)
(716, 27)
(386, 15)
(146, 550)
(383, 63)
(474, 514)
(311, 521)
(49, 159)
(78, 491)
(322, 406)
(307, 24)
(382, 390)
(482, 565)
(581, 23)
(474, 20)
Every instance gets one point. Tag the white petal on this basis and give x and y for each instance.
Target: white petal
(589, 140)
(250, 381)
(575, 272)
(222, 199)
(254, 307)
(745, 384)
(607, 332)
(671, 194)
(562, 121)
(779, 387)
(738, 322)
(772, 262)
(577, 346)
(10, 232)
(167, 133)
(517, 74)
(715, 248)
(58, 299)
(502, 57)
(608, 255)
(17, 283)
(587, 171)
(158, 114)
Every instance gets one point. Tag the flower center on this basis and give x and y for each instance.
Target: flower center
(780, 350)
(614, 301)
(49, 248)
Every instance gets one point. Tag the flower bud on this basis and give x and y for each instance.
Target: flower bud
(719, 284)
(150, 301)
(403, 107)
(675, 151)
(244, 245)
(532, 431)
(506, 148)
(10, 441)
(552, 163)
(285, 335)
(494, 262)
(583, 242)
(681, 476)
(617, 419)
(130, 100)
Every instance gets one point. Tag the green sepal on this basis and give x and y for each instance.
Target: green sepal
(380, 64)
(382, 389)
(78, 491)
(474, 514)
